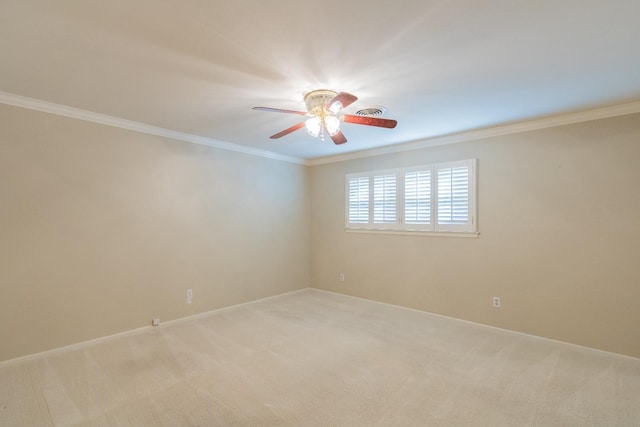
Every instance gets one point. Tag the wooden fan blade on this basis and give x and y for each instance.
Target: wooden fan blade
(370, 121)
(287, 131)
(345, 99)
(278, 110)
(338, 138)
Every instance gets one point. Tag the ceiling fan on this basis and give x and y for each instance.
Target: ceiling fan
(323, 106)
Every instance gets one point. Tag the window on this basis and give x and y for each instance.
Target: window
(417, 197)
(431, 198)
(358, 195)
(384, 199)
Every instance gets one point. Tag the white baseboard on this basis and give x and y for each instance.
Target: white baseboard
(84, 344)
(510, 331)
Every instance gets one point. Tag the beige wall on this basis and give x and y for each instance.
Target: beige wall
(559, 217)
(102, 229)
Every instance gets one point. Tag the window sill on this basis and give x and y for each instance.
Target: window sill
(464, 234)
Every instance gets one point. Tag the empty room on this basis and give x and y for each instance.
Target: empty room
(338, 213)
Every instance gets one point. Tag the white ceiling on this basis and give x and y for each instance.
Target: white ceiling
(440, 67)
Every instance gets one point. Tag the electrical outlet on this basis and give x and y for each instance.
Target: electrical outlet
(496, 302)
(341, 277)
(189, 296)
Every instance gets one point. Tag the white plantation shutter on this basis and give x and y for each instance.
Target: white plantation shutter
(358, 205)
(454, 197)
(384, 199)
(417, 197)
(432, 198)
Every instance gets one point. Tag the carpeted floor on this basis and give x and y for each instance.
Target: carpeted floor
(318, 359)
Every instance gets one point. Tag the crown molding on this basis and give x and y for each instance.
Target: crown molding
(500, 130)
(89, 116)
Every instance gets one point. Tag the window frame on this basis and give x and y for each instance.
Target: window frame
(468, 229)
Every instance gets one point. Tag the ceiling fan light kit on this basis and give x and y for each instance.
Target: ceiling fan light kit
(323, 105)
(318, 104)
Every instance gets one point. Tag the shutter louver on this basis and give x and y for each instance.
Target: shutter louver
(453, 195)
(384, 199)
(359, 200)
(417, 197)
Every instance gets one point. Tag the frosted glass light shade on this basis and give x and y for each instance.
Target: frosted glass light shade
(335, 107)
(313, 126)
(333, 124)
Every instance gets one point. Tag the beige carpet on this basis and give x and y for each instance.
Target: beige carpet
(319, 359)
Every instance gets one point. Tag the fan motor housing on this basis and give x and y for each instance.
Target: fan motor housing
(317, 100)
